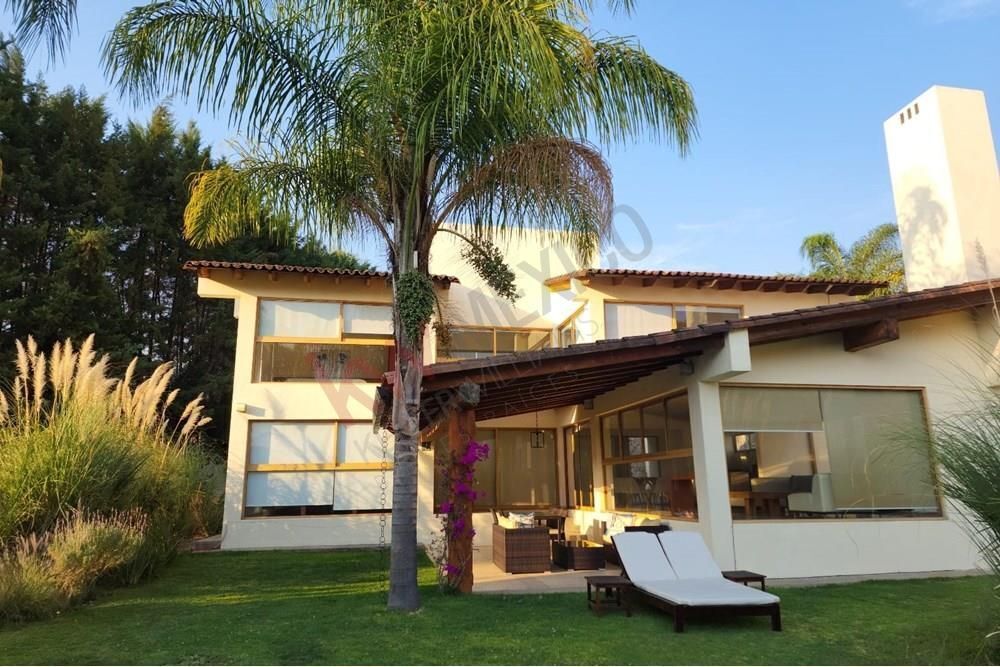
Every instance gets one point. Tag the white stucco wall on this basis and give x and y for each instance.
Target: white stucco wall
(932, 354)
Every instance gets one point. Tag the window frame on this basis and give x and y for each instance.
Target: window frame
(569, 463)
(438, 358)
(572, 324)
(941, 513)
(332, 466)
(608, 462)
(674, 305)
(344, 338)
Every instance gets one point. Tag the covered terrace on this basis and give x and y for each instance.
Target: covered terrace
(567, 382)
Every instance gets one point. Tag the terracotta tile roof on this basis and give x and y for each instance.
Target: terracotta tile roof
(723, 281)
(195, 265)
(521, 382)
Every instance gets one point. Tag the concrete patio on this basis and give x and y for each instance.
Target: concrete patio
(491, 579)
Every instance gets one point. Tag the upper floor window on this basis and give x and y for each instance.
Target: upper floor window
(637, 319)
(577, 329)
(477, 343)
(692, 316)
(301, 341)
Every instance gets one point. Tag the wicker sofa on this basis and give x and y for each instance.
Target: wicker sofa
(518, 550)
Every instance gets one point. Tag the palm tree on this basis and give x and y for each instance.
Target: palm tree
(391, 118)
(876, 257)
(49, 21)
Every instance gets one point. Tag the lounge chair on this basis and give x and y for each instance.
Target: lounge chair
(688, 582)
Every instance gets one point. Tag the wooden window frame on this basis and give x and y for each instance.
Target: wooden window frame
(333, 465)
(570, 321)
(570, 463)
(480, 327)
(610, 461)
(344, 338)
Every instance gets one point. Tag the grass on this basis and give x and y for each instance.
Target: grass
(328, 607)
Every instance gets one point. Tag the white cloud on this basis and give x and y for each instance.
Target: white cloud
(953, 10)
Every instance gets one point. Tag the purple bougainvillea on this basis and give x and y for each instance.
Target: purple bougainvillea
(459, 470)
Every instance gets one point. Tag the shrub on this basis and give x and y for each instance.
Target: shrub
(73, 439)
(81, 550)
(208, 506)
(28, 590)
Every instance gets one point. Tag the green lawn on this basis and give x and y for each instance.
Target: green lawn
(325, 607)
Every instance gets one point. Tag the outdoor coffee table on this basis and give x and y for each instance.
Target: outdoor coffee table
(578, 555)
(605, 591)
(745, 577)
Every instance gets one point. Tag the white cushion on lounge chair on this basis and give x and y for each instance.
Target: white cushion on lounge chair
(706, 592)
(642, 557)
(689, 556)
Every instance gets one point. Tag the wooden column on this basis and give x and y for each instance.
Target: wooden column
(461, 429)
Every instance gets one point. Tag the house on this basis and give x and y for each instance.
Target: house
(781, 417)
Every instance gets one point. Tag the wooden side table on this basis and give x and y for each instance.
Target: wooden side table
(605, 591)
(745, 577)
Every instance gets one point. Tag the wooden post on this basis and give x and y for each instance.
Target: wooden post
(461, 429)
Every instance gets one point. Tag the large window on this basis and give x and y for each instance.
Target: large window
(520, 471)
(314, 468)
(303, 341)
(579, 457)
(647, 457)
(827, 453)
(476, 343)
(635, 319)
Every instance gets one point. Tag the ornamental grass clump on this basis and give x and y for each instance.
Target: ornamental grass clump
(75, 442)
(82, 549)
(967, 449)
(28, 588)
(41, 575)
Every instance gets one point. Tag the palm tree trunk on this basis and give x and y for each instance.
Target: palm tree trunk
(403, 592)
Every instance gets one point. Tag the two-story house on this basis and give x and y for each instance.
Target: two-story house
(782, 417)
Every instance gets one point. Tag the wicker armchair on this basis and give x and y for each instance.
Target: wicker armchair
(521, 549)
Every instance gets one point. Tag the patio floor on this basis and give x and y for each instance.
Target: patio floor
(488, 578)
(491, 579)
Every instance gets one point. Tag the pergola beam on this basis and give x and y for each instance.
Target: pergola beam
(869, 335)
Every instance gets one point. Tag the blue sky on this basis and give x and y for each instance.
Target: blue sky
(791, 94)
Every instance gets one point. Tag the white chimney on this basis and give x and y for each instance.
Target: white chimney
(946, 187)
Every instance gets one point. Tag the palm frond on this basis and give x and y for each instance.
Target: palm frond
(549, 183)
(825, 256)
(51, 22)
(281, 193)
(880, 246)
(263, 61)
(625, 94)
